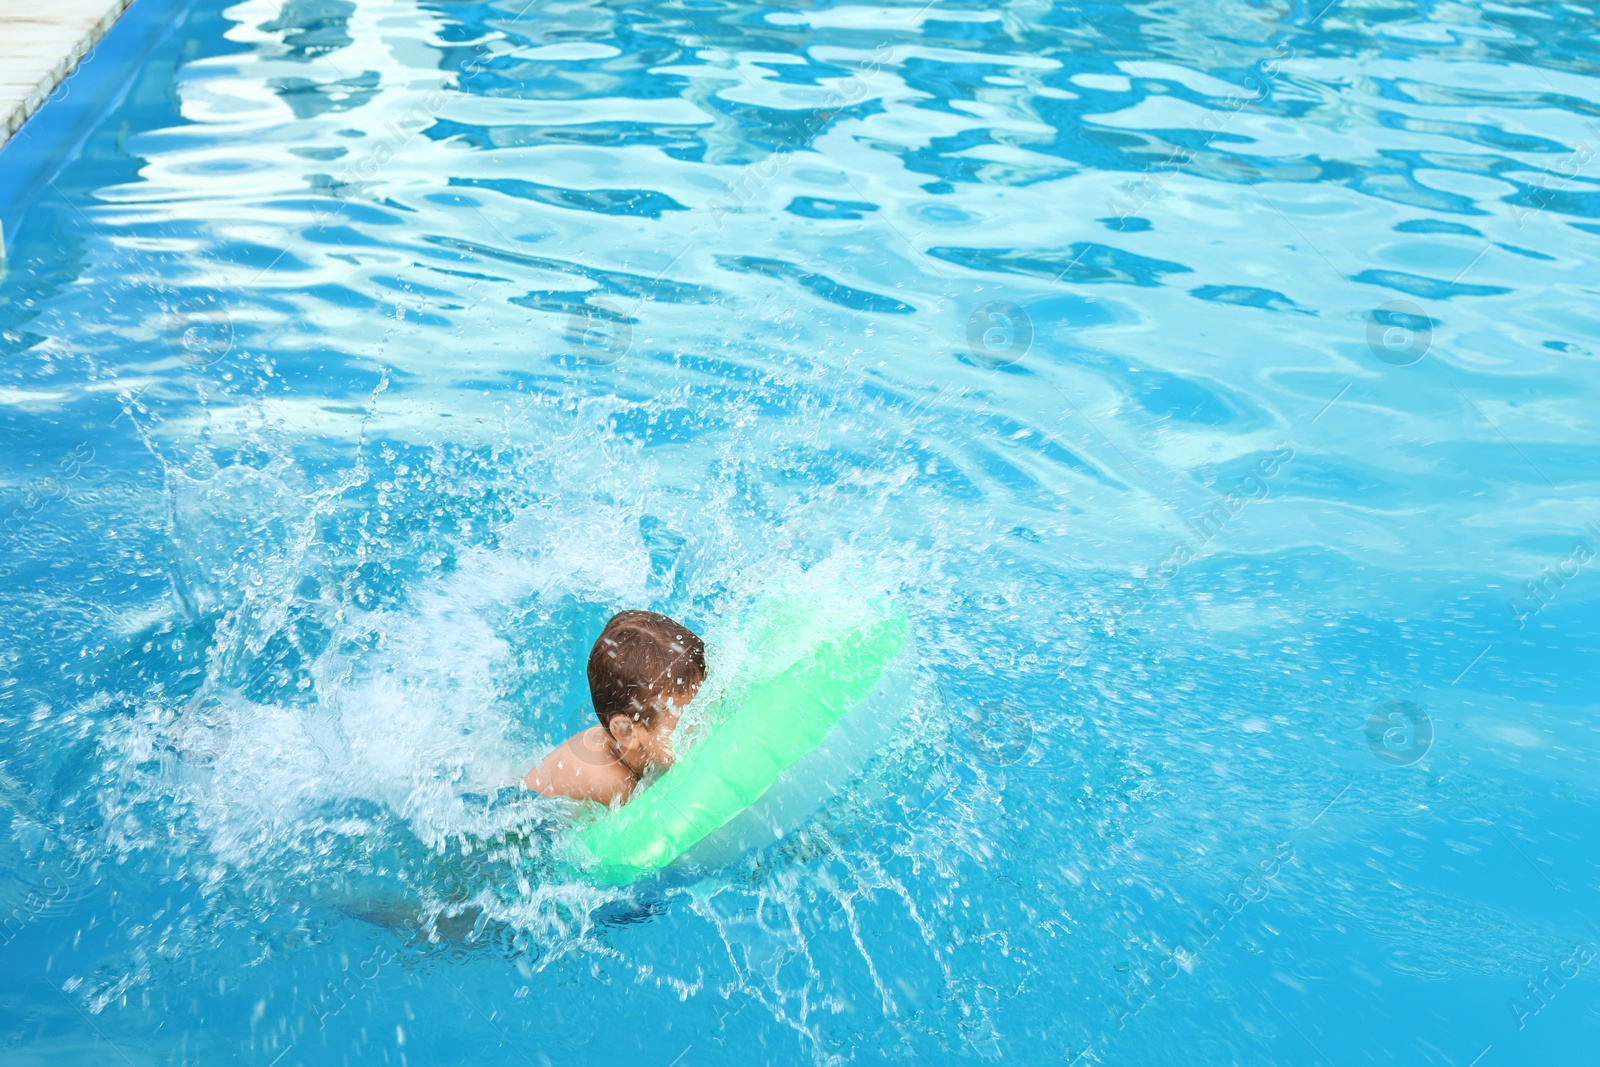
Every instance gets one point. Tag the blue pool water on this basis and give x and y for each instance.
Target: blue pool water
(1213, 384)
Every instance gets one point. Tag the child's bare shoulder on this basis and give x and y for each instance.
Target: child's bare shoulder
(583, 767)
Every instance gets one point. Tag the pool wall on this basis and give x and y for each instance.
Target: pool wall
(60, 69)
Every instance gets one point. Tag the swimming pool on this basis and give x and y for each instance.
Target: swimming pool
(1213, 385)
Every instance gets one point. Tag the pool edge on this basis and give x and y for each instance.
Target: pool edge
(20, 111)
(51, 138)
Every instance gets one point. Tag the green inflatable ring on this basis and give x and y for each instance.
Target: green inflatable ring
(784, 710)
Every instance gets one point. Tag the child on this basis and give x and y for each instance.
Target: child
(643, 671)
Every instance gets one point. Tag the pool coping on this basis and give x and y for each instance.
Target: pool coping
(41, 47)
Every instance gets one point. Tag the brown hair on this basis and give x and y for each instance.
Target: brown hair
(639, 659)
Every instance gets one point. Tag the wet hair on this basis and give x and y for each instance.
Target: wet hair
(640, 660)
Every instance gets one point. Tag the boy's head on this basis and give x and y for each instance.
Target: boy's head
(643, 671)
